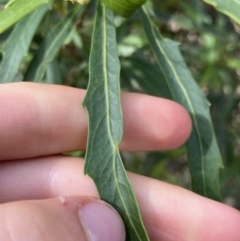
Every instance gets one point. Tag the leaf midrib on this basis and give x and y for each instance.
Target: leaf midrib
(114, 147)
(187, 98)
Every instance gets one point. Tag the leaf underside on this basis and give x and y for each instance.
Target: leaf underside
(102, 101)
(204, 158)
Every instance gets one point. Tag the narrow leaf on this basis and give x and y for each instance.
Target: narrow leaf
(51, 45)
(53, 73)
(203, 154)
(103, 161)
(124, 8)
(17, 45)
(17, 11)
(231, 8)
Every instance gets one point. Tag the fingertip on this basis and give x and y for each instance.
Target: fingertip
(152, 123)
(179, 125)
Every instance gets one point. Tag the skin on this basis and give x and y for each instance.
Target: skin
(38, 122)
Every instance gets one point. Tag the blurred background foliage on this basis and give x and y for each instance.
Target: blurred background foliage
(210, 44)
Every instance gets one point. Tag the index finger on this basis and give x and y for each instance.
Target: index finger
(41, 119)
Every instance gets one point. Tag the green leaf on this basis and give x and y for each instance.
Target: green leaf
(18, 10)
(51, 45)
(203, 154)
(124, 8)
(53, 73)
(17, 45)
(231, 8)
(142, 71)
(103, 161)
(10, 2)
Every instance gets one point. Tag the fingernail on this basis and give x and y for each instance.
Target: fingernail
(101, 222)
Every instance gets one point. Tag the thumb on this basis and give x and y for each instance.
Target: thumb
(63, 218)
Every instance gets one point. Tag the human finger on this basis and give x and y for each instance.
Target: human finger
(62, 218)
(169, 212)
(41, 119)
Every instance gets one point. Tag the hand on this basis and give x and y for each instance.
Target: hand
(45, 195)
